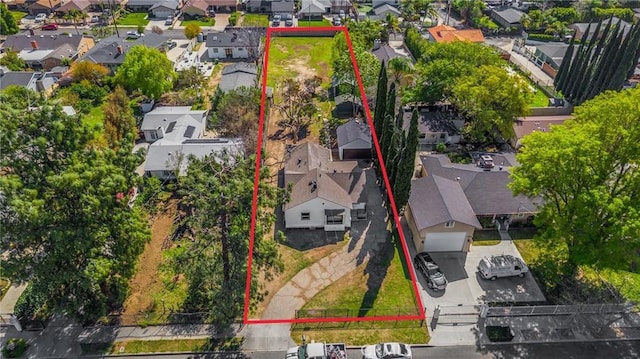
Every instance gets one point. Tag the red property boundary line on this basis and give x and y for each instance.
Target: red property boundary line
(245, 316)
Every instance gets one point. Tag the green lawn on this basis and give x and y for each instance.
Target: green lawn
(95, 118)
(314, 23)
(208, 22)
(134, 19)
(177, 345)
(18, 15)
(389, 290)
(173, 291)
(4, 287)
(286, 53)
(255, 20)
(623, 280)
(485, 235)
(539, 98)
(364, 9)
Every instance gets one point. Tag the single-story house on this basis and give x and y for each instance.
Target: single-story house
(48, 51)
(99, 5)
(36, 81)
(580, 28)
(445, 33)
(270, 6)
(232, 44)
(317, 8)
(549, 56)
(164, 8)
(240, 74)
(140, 5)
(380, 12)
(437, 126)
(174, 123)
(165, 157)
(44, 7)
(384, 53)
(354, 140)
(485, 191)
(79, 5)
(507, 17)
(324, 194)
(378, 3)
(440, 216)
(526, 125)
(198, 8)
(112, 51)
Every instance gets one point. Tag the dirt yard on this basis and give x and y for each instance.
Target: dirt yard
(147, 281)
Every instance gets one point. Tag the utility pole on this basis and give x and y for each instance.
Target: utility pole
(446, 22)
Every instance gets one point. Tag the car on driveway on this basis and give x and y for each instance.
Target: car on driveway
(436, 280)
(386, 351)
(95, 19)
(41, 17)
(336, 21)
(49, 27)
(276, 20)
(168, 21)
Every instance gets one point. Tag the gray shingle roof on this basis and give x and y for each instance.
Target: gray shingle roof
(18, 78)
(486, 191)
(509, 14)
(384, 8)
(106, 51)
(353, 130)
(166, 155)
(169, 4)
(435, 200)
(231, 38)
(340, 182)
(45, 42)
(386, 53)
(238, 75)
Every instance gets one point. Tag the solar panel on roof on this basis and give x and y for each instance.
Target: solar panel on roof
(189, 131)
(171, 126)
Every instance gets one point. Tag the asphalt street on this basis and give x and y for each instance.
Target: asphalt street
(618, 350)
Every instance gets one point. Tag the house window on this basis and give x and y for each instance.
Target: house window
(423, 135)
(240, 49)
(305, 216)
(336, 219)
(442, 136)
(449, 224)
(215, 50)
(153, 134)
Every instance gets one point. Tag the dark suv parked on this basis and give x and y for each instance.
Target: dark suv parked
(435, 278)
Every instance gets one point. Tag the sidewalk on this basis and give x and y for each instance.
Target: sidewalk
(10, 299)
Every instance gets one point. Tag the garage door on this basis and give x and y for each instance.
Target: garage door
(356, 154)
(444, 242)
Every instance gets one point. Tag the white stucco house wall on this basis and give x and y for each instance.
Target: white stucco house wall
(229, 45)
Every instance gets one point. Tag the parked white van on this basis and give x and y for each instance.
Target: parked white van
(502, 266)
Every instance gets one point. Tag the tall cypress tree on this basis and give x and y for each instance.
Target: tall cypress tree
(634, 49)
(381, 100)
(580, 77)
(629, 53)
(388, 127)
(561, 76)
(406, 164)
(595, 74)
(606, 63)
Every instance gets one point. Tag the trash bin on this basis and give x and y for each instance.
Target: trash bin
(200, 37)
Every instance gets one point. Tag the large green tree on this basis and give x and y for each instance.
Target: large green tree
(218, 191)
(146, 70)
(237, 114)
(12, 61)
(118, 118)
(586, 173)
(493, 99)
(66, 223)
(343, 71)
(8, 25)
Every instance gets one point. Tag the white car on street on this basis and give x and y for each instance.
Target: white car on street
(386, 351)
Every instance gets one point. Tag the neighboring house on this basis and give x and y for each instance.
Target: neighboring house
(317, 8)
(46, 52)
(173, 123)
(378, 3)
(164, 8)
(165, 157)
(196, 9)
(485, 190)
(354, 140)
(380, 12)
(270, 6)
(240, 74)
(384, 53)
(507, 17)
(581, 27)
(440, 216)
(435, 126)
(99, 5)
(36, 81)
(444, 33)
(526, 125)
(324, 194)
(112, 51)
(549, 57)
(44, 7)
(79, 5)
(140, 5)
(232, 44)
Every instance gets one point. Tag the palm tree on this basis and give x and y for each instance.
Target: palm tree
(401, 71)
(392, 23)
(75, 15)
